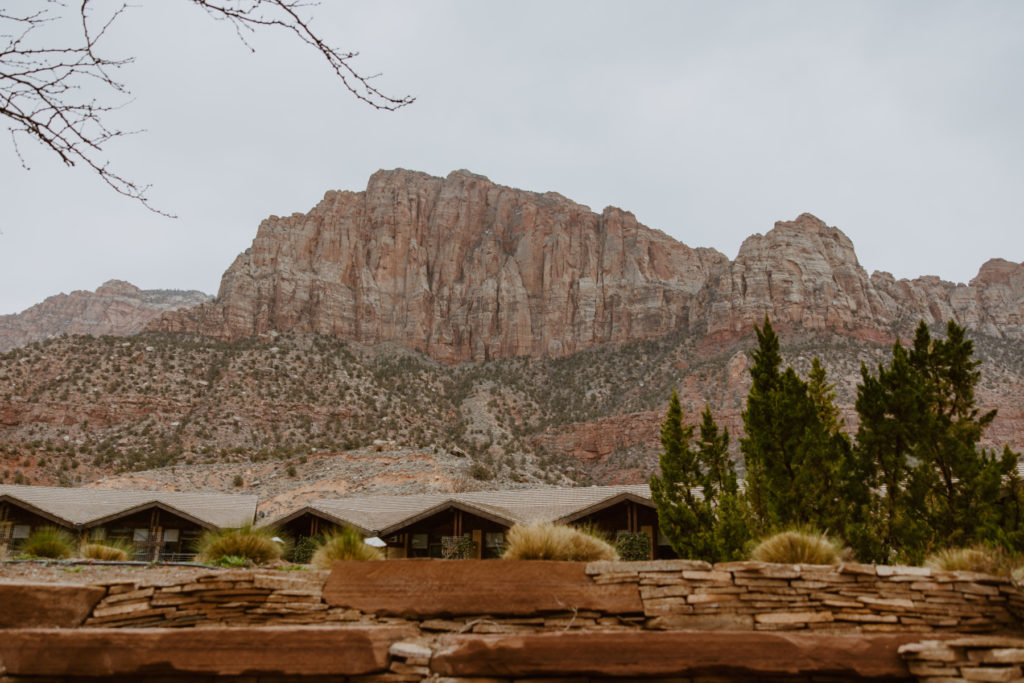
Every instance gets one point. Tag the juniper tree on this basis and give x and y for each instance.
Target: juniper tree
(795, 462)
(919, 445)
(699, 507)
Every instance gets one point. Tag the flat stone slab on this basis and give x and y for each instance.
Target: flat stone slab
(41, 605)
(101, 652)
(436, 588)
(672, 654)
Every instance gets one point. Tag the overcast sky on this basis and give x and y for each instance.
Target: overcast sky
(898, 122)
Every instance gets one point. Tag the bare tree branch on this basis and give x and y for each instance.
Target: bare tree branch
(46, 90)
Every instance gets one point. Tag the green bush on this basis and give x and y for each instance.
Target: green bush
(633, 547)
(547, 541)
(302, 551)
(798, 546)
(49, 542)
(248, 542)
(344, 544)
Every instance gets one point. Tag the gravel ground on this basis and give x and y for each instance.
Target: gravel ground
(68, 572)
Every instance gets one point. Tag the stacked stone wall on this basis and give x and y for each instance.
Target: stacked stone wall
(673, 594)
(503, 622)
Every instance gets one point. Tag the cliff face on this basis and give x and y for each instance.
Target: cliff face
(806, 275)
(116, 307)
(462, 269)
(458, 268)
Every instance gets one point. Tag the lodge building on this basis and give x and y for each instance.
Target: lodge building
(163, 526)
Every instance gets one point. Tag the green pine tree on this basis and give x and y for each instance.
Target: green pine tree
(918, 444)
(795, 461)
(696, 493)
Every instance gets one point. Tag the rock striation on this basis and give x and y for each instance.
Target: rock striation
(463, 269)
(458, 268)
(116, 307)
(806, 276)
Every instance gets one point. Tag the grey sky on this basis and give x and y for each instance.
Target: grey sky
(898, 122)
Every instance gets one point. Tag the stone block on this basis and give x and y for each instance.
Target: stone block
(605, 567)
(439, 588)
(1003, 655)
(777, 618)
(702, 622)
(34, 605)
(649, 592)
(671, 653)
(990, 673)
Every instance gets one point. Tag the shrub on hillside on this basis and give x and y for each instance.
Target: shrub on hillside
(978, 559)
(633, 547)
(112, 550)
(344, 544)
(255, 545)
(547, 541)
(49, 542)
(798, 546)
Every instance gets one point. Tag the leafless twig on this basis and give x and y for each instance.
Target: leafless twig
(59, 95)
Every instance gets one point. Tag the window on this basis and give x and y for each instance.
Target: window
(140, 535)
(21, 531)
(170, 535)
(419, 541)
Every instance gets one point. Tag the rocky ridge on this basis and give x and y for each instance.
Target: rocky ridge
(116, 307)
(462, 269)
(454, 316)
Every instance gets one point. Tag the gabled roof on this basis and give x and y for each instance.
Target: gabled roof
(89, 507)
(384, 515)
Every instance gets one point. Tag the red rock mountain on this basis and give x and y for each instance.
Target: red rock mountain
(116, 307)
(462, 269)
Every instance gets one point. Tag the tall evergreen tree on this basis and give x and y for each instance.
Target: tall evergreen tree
(918, 443)
(699, 506)
(890, 406)
(795, 461)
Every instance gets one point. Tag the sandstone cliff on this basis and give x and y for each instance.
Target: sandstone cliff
(462, 269)
(458, 268)
(806, 276)
(116, 307)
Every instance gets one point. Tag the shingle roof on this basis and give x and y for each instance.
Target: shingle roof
(381, 515)
(86, 507)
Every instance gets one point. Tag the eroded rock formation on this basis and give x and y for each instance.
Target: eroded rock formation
(116, 307)
(462, 269)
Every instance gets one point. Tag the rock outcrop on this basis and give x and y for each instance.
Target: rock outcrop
(458, 268)
(462, 269)
(806, 276)
(116, 307)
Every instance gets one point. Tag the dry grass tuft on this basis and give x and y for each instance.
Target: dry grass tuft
(798, 546)
(973, 559)
(547, 541)
(346, 544)
(108, 550)
(247, 542)
(49, 542)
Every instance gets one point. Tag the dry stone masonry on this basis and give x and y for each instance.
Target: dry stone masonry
(399, 622)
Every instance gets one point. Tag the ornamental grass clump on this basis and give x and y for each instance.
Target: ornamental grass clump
(108, 550)
(255, 545)
(977, 559)
(345, 544)
(547, 541)
(49, 542)
(798, 546)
